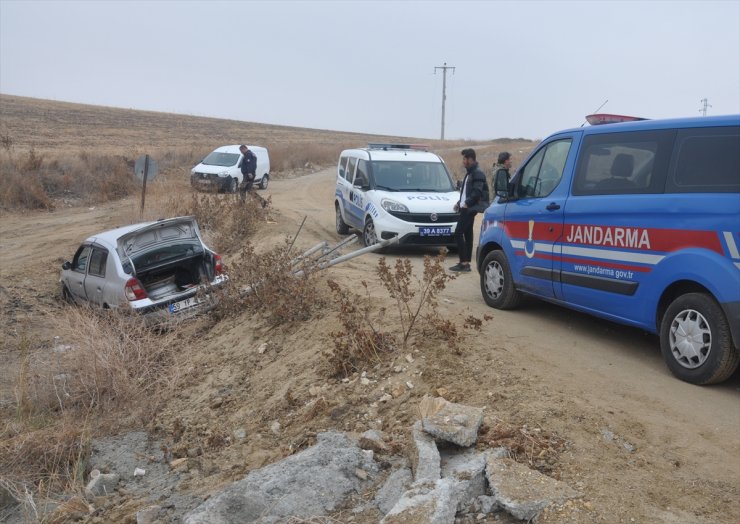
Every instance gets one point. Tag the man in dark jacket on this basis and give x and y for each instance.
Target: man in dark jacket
(474, 199)
(249, 170)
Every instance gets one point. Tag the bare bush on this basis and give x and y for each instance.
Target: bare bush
(100, 362)
(360, 342)
(32, 181)
(398, 283)
(227, 219)
(285, 157)
(267, 283)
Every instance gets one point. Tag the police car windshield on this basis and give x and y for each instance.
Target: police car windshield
(221, 159)
(410, 176)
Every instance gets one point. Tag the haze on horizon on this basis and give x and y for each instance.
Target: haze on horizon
(522, 69)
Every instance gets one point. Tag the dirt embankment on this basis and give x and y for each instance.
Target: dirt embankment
(638, 443)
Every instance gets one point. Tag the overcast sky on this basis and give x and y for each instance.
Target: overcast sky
(522, 69)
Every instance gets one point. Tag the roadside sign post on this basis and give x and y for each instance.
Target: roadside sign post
(145, 169)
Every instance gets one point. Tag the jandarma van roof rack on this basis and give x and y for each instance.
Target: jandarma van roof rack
(386, 147)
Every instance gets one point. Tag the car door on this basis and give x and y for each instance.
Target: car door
(95, 279)
(76, 276)
(534, 219)
(352, 213)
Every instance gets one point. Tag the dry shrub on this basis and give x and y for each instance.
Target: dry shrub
(273, 284)
(538, 448)
(102, 360)
(398, 283)
(31, 180)
(226, 219)
(100, 363)
(43, 460)
(360, 342)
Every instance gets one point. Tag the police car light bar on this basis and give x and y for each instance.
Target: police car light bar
(419, 147)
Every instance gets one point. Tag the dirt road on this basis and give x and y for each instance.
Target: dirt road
(585, 376)
(642, 446)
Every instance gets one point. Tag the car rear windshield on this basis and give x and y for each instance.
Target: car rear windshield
(221, 159)
(410, 176)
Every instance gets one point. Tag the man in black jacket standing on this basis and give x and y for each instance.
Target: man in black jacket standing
(249, 170)
(474, 199)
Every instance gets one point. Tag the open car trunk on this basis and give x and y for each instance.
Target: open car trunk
(174, 270)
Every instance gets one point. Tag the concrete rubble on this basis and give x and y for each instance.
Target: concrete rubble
(311, 483)
(440, 482)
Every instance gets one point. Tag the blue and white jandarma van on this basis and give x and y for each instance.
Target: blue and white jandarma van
(636, 222)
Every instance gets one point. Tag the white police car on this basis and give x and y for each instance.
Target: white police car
(388, 190)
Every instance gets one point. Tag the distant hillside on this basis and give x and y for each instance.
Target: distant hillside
(49, 125)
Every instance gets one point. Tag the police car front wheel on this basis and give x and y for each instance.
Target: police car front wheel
(695, 340)
(496, 283)
(369, 235)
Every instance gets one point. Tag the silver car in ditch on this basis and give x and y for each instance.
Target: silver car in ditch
(160, 269)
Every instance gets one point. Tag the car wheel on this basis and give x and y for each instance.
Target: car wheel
(66, 295)
(265, 180)
(342, 228)
(233, 185)
(369, 236)
(695, 340)
(496, 283)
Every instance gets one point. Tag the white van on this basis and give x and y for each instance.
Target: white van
(388, 190)
(221, 169)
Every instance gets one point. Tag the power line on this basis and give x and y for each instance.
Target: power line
(705, 105)
(444, 69)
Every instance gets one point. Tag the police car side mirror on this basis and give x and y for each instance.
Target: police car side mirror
(67, 265)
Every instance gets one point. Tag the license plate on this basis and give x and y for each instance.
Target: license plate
(435, 231)
(184, 304)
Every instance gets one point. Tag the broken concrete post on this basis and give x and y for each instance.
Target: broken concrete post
(308, 484)
(451, 422)
(468, 468)
(392, 490)
(522, 491)
(424, 456)
(426, 503)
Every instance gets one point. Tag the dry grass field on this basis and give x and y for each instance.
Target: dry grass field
(579, 399)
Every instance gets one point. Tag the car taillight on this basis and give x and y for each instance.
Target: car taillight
(218, 265)
(134, 290)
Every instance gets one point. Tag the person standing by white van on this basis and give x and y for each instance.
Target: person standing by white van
(249, 170)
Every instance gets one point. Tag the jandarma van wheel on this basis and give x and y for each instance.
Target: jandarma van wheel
(233, 185)
(496, 283)
(265, 180)
(695, 340)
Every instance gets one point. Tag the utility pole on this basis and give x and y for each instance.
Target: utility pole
(444, 69)
(705, 105)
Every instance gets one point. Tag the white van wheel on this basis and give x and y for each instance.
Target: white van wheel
(369, 235)
(233, 185)
(695, 340)
(265, 180)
